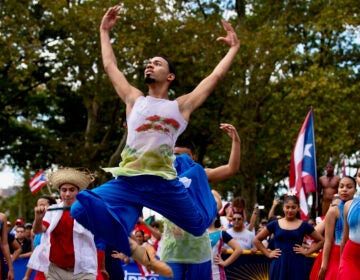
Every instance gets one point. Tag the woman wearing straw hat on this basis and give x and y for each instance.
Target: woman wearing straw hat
(67, 250)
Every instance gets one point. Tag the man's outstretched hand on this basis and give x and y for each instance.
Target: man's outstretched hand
(231, 38)
(110, 18)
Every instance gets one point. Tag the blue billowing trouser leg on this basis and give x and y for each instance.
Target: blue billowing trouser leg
(111, 210)
(104, 220)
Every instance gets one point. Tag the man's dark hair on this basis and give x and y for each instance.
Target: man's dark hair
(238, 202)
(184, 143)
(171, 65)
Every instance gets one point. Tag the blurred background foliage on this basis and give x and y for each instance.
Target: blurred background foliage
(58, 107)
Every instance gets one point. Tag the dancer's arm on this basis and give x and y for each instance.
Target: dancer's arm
(330, 221)
(261, 247)
(237, 251)
(125, 91)
(189, 102)
(228, 170)
(345, 236)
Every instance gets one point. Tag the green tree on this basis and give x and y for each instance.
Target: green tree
(59, 108)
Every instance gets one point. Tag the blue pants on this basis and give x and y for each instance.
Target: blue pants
(189, 271)
(111, 210)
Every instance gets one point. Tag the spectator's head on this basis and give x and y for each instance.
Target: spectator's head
(226, 207)
(183, 146)
(238, 221)
(155, 224)
(20, 232)
(263, 222)
(28, 228)
(291, 207)
(238, 204)
(19, 222)
(139, 236)
(329, 168)
(69, 181)
(262, 225)
(46, 201)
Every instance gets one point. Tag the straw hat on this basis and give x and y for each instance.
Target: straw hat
(67, 175)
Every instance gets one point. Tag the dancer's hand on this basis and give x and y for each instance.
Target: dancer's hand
(274, 254)
(110, 18)
(298, 249)
(322, 273)
(219, 261)
(230, 130)
(231, 38)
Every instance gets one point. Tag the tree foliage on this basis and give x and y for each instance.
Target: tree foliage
(59, 108)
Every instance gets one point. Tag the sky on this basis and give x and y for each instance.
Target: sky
(9, 178)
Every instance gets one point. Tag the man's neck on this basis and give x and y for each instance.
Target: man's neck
(158, 90)
(238, 229)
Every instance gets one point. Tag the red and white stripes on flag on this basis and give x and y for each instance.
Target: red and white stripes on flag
(37, 182)
(303, 177)
(144, 270)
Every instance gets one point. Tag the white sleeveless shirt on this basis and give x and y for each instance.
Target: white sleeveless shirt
(154, 125)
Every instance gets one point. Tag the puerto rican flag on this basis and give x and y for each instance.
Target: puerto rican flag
(37, 182)
(303, 177)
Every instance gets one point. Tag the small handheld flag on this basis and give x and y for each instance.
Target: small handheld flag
(37, 182)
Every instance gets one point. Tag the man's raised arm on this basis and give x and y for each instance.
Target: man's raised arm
(223, 172)
(126, 92)
(189, 102)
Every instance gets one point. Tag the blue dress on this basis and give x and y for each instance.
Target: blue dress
(289, 266)
(349, 263)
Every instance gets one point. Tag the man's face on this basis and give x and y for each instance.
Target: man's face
(330, 169)
(68, 194)
(27, 233)
(20, 232)
(237, 222)
(156, 70)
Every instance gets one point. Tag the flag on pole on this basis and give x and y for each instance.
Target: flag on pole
(303, 177)
(37, 182)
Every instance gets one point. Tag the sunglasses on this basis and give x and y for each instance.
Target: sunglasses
(236, 219)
